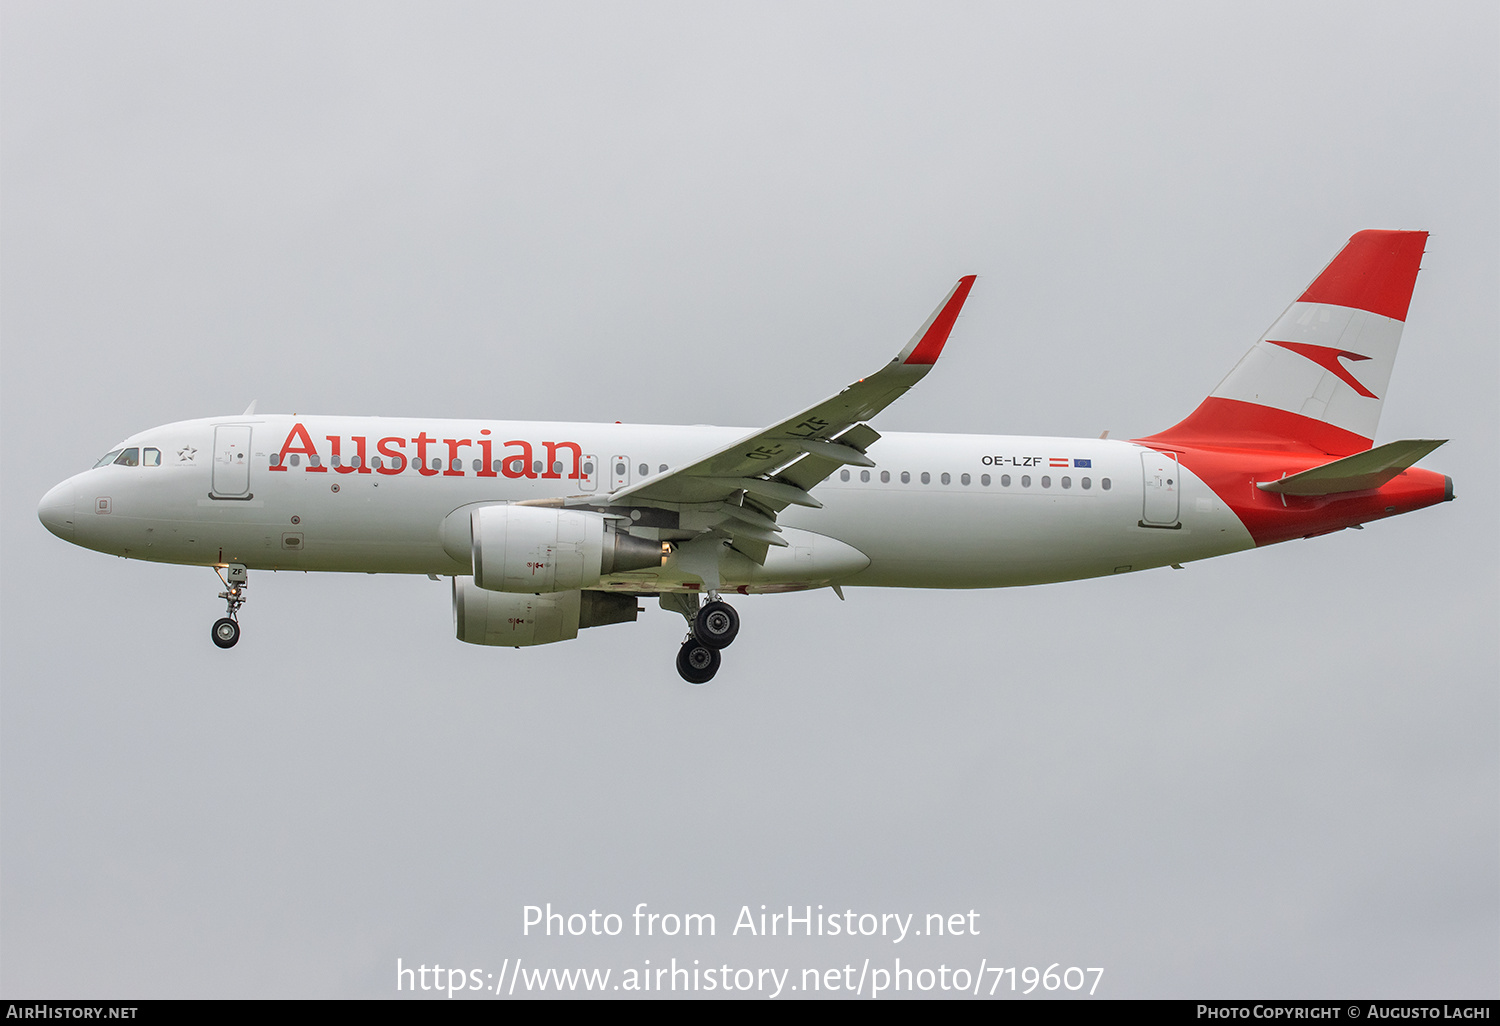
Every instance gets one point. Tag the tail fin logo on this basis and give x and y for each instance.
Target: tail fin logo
(1328, 358)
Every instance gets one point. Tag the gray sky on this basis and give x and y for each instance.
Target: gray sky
(1272, 774)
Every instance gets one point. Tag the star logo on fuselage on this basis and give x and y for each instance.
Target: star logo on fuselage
(186, 454)
(1328, 359)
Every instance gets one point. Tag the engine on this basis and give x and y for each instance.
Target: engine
(542, 550)
(496, 618)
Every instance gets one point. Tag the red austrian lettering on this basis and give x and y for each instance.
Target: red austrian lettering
(422, 443)
(517, 464)
(398, 459)
(552, 462)
(305, 448)
(337, 456)
(455, 467)
(486, 458)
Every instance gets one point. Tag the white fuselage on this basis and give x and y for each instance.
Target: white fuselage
(937, 511)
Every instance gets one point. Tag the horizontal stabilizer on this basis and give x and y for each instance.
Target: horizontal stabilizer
(1369, 469)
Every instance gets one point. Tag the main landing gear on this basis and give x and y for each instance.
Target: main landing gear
(226, 629)
(711, 629)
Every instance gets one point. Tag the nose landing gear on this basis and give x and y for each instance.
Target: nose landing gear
(226, 629)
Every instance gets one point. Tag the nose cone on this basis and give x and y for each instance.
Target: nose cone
(56, 510)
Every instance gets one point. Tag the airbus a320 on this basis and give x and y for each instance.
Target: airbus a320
(550, 528)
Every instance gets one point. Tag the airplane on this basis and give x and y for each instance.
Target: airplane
(550, 528)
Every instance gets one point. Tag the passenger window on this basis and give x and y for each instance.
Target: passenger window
(458, 465)
(437, 464)
(885, 477)
(926, 477)
(275, 460)
(1067, 482)
(660, 470)
(946, 479)
(151, 457)
(337, 462)
(536, 466)
(315, 461)
(905, 477)
(1104, 483)
(1025, 480)
(620, 469)
(129, 458)
(474, 466)
(588, 468)
(645, 470)
(1086, 484)
(376, 464)
(1046, 481)
(984, 479)
(108, 458)
(296, 459)
(557, 467)
(843, 475)
(964, 479)
(495, 466)
(864, 475)
(1004, 480)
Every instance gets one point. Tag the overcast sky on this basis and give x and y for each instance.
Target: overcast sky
(1272, 774)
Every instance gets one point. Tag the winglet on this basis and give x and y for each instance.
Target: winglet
(927, 344)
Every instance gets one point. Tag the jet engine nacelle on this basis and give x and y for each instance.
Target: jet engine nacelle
(496, 618)
(541, 549)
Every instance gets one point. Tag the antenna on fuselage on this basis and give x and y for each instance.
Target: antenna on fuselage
(250, 409)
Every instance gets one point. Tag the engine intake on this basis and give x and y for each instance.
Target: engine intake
(542, 550)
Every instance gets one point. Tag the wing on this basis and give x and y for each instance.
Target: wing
(739, 489)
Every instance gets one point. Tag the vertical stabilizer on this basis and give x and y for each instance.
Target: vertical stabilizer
(1316, 380)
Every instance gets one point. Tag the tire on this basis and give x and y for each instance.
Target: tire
(716, 625)
(696, 662)
(226, 632)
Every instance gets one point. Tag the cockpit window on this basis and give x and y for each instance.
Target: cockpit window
(129, 458)
(108, 458)
(150, 457)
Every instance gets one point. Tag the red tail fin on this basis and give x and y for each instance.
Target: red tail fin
(1316, 379)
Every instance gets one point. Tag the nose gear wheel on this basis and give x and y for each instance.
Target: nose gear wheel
(226, 632)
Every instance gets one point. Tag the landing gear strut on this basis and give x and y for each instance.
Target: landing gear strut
(226, 629)
(711, 628)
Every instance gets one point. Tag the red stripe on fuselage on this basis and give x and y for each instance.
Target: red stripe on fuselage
(1233, 424)
(1271, 517)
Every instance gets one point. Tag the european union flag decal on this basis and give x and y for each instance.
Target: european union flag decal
(1086, 464)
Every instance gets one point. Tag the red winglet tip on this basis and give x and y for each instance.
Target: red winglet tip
(930, 348)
